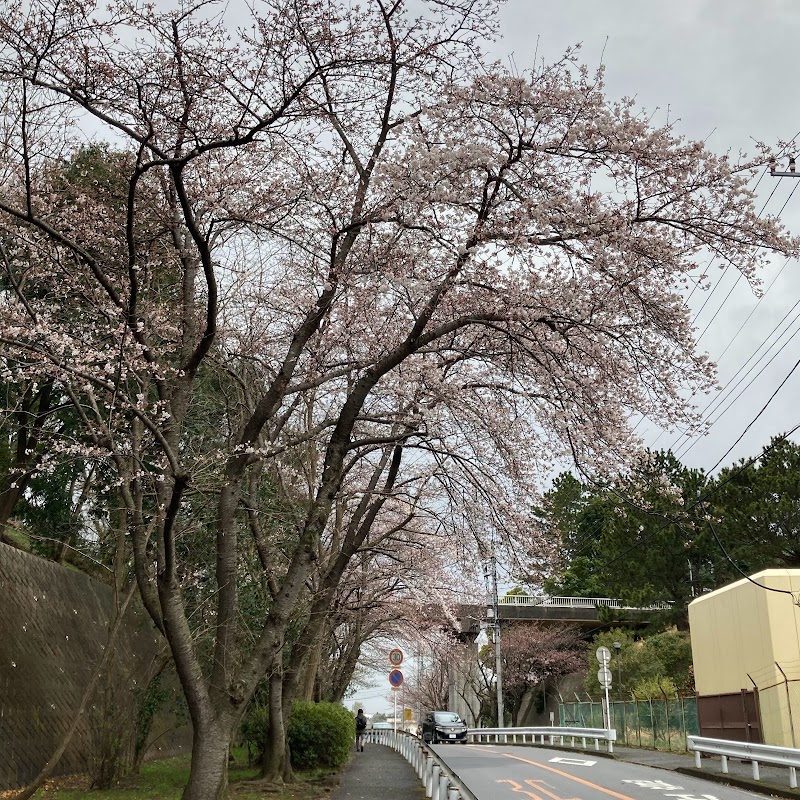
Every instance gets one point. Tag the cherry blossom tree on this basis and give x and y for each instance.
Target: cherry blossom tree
(359, 235)
(534, 654)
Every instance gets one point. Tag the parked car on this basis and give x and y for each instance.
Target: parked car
(444, 726)
(382, 726)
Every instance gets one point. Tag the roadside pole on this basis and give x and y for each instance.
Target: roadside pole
(604, 677)
(395, 679)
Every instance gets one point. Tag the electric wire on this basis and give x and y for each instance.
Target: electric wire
(757, 416)
(719, 281)
(727, 391)
(728, 266)
(742, 572)
(684, 450)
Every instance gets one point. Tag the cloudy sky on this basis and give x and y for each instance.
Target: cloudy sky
(727, 72)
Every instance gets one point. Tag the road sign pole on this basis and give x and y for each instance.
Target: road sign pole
(604, 677)
(395, 712)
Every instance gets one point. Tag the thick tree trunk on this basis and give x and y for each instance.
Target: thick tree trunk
(208, 776)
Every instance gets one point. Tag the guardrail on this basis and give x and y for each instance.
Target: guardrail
(577, 602)
(755, 753)
(440, 782)
(519, 736)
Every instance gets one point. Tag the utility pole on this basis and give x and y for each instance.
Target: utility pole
(792, 173)
(493, 613)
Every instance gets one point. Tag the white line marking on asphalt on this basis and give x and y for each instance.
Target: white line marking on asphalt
(576, 762)
(674, 791)
(662, 785)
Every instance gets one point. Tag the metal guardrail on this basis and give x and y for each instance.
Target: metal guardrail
(440, 782)
(577, 602)
(756, 753)
(519, 736)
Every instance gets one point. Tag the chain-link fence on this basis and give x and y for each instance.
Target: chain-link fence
(778, 686)
(659, 724)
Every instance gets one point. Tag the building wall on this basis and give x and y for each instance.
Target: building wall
(742, 637)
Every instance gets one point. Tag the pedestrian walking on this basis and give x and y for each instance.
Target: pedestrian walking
(361, 729)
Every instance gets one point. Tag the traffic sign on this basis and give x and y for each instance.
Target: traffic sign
(604, 676)
(396, 657)
(396, 678)
(603, 655)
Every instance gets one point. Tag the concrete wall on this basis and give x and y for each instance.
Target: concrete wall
(53, 632)
(463, 678)
(742, 636)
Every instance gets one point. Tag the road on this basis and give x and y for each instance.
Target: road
(529, 773)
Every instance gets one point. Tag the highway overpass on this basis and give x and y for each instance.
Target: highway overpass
(586, 612)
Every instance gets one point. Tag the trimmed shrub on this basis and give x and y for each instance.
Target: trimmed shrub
(320, 735)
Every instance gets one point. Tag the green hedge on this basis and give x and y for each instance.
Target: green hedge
(320, 735)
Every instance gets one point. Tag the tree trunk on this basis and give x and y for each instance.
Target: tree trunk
(309, 678)
(208, 776)
(276, 766)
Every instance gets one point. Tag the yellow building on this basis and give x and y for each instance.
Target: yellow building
(746, 652)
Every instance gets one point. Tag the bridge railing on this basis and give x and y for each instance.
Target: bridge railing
(576, 602)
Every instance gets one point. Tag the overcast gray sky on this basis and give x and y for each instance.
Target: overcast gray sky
(727, 71)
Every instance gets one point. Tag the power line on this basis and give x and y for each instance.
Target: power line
(730, 405)
(743, 573)
(728, 266)
(719, 282)
(757, 416)
(721, 397)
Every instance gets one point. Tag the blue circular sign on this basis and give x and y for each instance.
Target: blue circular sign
(396, 678)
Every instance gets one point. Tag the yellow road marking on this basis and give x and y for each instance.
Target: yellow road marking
(540, 784)
(575, 778)
(517, 787)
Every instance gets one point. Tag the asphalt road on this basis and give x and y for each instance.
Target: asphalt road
(528, 773)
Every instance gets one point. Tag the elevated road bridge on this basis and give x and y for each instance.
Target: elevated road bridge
(587, 612)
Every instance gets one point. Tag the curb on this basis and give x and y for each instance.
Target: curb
(759, 787)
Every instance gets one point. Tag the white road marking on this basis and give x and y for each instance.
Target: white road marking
(576, 762)
(689, 796)
(670, 790)
(662, 785)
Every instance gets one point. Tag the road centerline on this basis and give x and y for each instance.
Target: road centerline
(575, 778)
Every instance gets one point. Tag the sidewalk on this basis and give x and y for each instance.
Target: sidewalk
(379, 773)
(774, 780)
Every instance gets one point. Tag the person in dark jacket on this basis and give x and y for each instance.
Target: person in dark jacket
(361, 728)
